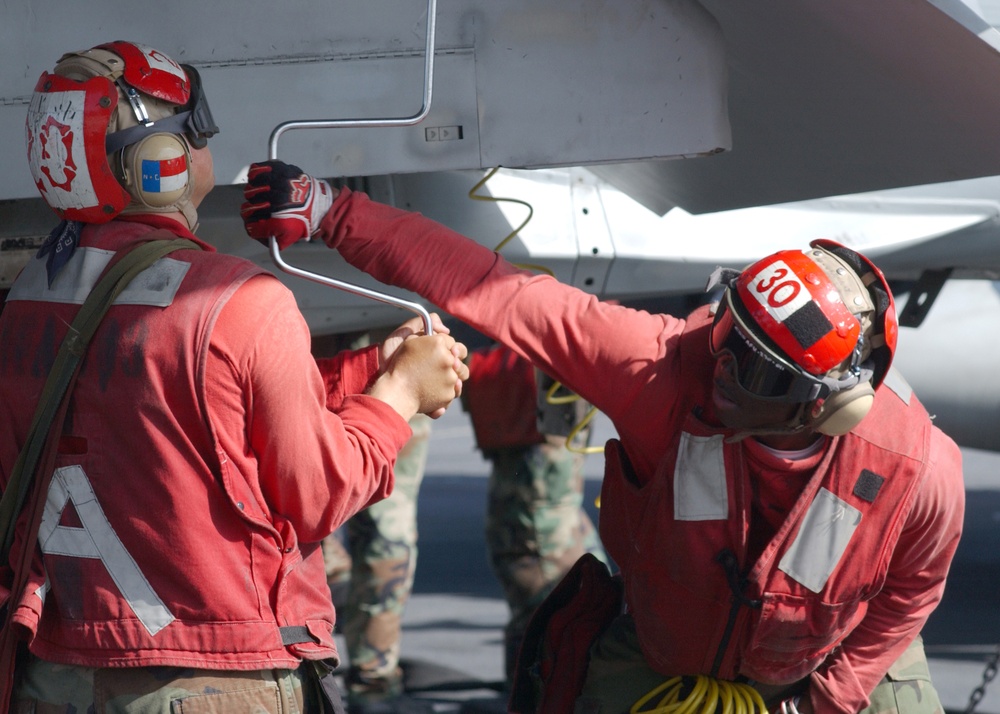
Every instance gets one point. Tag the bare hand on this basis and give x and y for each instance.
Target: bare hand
(424, 374)
(413, 326)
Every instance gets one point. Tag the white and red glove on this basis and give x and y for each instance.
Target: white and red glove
(283, 202)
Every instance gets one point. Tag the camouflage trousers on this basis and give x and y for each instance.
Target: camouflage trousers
(370, 566)
(618, 676)
(47, 688)
(536, 527)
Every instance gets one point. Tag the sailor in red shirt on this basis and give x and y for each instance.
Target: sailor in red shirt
(204, 456)
(781, 508)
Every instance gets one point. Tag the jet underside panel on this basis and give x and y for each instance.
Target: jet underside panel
(831, 98)
(515, 83)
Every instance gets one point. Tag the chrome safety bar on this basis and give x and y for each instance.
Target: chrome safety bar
(355, 124)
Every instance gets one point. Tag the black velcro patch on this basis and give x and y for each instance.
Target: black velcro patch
(867, 486)
(808, 324)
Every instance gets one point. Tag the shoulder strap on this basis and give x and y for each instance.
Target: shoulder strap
(65, 369)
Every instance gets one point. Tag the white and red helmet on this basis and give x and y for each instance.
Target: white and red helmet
(804, 324)
(92, 129)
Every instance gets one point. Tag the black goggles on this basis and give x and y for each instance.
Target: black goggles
(194, 120)
(760, 372)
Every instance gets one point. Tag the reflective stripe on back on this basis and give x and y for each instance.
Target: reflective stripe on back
(155, 286)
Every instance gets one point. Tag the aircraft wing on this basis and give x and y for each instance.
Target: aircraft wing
(830, 98)
(954, 226)
(779, 101)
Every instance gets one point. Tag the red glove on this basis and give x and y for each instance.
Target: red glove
(284, 202)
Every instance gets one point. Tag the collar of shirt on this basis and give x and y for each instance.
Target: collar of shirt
(162, 222)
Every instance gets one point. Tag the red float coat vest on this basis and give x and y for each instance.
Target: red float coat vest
(681, 541)
(158, 548)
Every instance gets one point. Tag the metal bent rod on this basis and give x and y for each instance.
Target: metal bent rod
(354, 124)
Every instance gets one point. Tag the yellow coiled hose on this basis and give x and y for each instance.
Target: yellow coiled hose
(708, 696)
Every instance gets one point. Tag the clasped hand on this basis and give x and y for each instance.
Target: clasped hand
(420, 373)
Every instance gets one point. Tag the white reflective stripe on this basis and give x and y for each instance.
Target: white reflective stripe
(97, 539)
(822, 539)
(155, 286)
(42, 590)
(895, 381)
(700, 479)
(75, 281)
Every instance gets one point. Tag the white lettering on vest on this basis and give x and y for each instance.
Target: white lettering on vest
(98, 540)
(821, 541)
(700, 479)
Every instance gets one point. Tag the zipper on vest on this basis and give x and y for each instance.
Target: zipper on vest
(737, 584)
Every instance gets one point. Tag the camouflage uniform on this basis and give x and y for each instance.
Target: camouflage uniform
(370, 568)
(907, 687)
(371, 560)
(536, 527)
(618, 676)
(141, 690)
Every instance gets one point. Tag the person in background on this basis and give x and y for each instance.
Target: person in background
(370, 564)
(536, 526)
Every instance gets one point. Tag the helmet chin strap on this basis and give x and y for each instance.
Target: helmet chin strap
(190, 215)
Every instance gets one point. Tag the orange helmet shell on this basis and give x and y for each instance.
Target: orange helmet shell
(796, 306)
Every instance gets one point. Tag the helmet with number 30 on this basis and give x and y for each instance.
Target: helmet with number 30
(110, 130)
(816, 327)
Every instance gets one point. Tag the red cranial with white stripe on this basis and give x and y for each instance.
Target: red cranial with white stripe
(152, 72)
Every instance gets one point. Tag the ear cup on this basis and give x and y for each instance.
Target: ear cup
(842, 411)
(157, 171)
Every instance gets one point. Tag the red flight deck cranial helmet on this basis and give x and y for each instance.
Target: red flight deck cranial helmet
(805, 325)
(109, 130)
